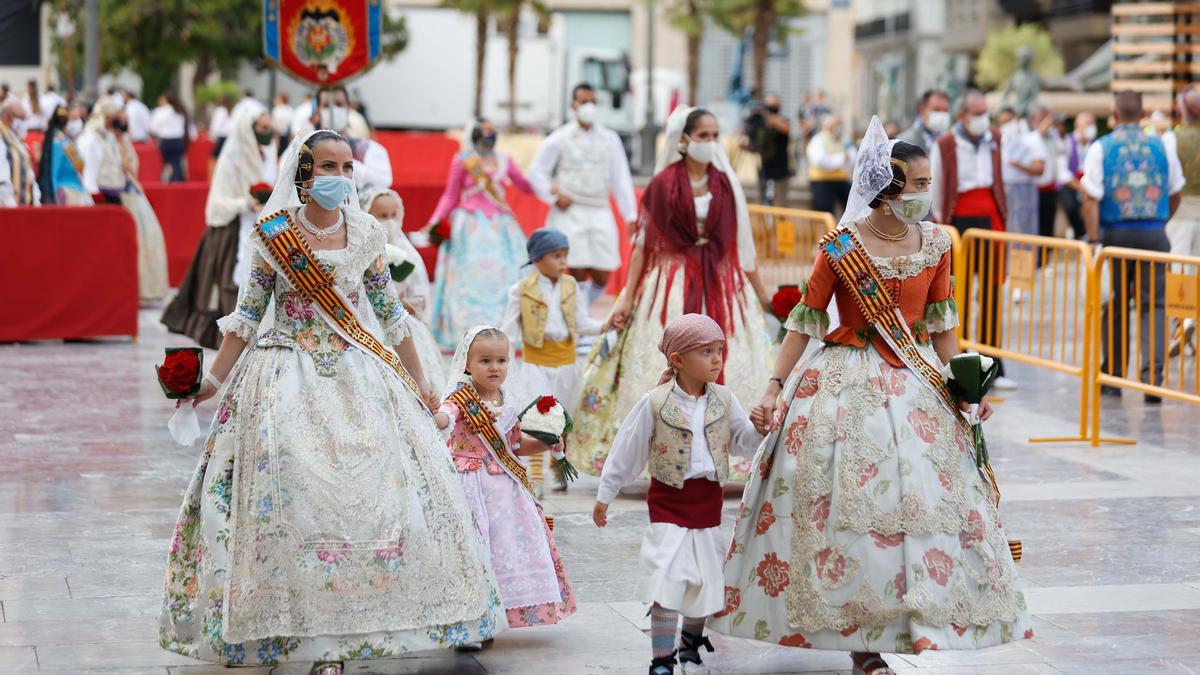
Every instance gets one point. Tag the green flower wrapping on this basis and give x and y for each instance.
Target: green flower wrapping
(970, 376)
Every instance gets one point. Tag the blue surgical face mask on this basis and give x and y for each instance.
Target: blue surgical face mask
(330, 191)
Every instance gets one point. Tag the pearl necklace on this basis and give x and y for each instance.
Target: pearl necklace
(321, 234)
(884, 235)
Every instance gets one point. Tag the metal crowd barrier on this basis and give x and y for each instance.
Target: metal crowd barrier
(1029, 299)
(786, 242)
(1143, 330)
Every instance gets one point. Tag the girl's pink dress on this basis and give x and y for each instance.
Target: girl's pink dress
(533, 582)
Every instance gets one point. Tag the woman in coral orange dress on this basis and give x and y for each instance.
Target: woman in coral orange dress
(866, 526)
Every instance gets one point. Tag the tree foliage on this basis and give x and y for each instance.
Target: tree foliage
(998, 60)
(766, 20)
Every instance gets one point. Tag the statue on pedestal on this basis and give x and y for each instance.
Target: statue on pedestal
(1025, 84)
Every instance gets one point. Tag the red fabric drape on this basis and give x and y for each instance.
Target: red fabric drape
(180, 211)
(712, 284)
(68, 272)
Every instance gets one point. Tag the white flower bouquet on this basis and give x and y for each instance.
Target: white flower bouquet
(547, 420)
(970, 376)
(399, 262)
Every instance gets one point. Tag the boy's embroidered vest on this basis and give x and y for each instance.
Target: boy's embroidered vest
(534, 314)
(671, 443)
(1136, 182)
(1187, 139)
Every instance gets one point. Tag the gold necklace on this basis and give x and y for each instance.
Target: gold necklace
(884, 235)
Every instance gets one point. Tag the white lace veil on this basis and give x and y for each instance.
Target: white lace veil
(669, 154)
(872, 172)
(514, 394)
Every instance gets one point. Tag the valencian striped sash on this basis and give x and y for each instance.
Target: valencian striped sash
(481, 421)
(295, 260)
(852, 265)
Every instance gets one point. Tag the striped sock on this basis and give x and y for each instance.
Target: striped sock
(662, 631)
(693, 625)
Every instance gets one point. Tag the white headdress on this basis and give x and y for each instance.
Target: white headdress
(514, 401)
(286, 196)
(669, 154)
(467, 142)
(240, 165)
(872, 172)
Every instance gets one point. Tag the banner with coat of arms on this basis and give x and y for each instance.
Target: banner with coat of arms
(322, 41)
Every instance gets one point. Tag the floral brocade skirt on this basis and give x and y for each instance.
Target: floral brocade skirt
(866, 526)
(613, 384)
(325, 522)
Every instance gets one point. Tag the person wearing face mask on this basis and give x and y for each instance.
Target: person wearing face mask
(171, 126)
(322, 400)
(576, 169)
(18, 184)
(221, 263)
(110, 167)
(968, 191)
(59, 168)
(830, 159)
(1024, 157)
(485, 249)
(771, 140)
(1070, 170)
(933, 120)
(693, 253)
(872, 450)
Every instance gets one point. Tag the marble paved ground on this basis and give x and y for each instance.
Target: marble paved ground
(90, 485)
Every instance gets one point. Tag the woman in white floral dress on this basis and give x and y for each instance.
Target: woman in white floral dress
(866, 526)
(326, 521)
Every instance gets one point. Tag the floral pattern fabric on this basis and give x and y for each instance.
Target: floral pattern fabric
(325, 520)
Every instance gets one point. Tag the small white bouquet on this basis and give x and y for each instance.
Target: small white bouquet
(970, 376)
(399, 262)
(547, 420)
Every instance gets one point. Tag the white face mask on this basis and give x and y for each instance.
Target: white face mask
(977, 125)
(1089, 133)
(586, 113)
(336, 118)
(937, 121)
(912, 206)
(74, 127)
(702, 152)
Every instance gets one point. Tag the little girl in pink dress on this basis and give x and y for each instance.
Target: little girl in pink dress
(486, 444)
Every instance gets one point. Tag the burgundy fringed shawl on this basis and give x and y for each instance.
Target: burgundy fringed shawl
(712, 277)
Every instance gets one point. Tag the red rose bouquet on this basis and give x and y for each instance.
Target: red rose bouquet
(181, 372)
(782, 304)
(439, 232)
(261, 192)
(547, 420)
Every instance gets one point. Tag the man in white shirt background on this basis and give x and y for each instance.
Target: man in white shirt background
(139, 117)
(576, 168)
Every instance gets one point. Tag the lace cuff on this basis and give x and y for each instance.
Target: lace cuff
(397, 330)
(809, 321)
(941, 316)
(238, 325)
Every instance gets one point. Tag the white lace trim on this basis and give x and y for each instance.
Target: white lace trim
(811, 322)
(397, 330)
(934, 244)
(238, 325)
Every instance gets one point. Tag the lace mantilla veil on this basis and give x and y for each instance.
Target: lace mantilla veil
(515, 398)
(872, 172)
(286, 196)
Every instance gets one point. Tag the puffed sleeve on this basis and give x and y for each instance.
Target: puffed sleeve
(253, 299)
(809, 316)
(941, 311)
(385, 302)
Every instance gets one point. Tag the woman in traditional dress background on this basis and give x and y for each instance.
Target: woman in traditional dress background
(866, 526)
(693, 253)
(60, 165)
(221, 265)
(110, 166)
(414, 291)
(485, 251)
(325, 521)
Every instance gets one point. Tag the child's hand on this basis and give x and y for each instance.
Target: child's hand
(762, 424)
(600, 514)
(441, 419)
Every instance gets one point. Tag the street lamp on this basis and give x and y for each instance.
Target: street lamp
(649, 132)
